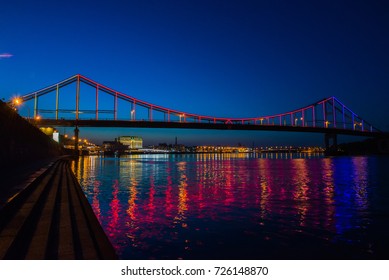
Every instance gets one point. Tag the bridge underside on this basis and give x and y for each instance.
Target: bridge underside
(188, 125)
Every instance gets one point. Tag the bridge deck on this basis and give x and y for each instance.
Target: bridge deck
(52, 219)
(210, 125)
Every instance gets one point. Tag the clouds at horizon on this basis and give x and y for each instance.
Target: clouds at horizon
(5, 55)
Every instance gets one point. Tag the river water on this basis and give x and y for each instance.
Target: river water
(240, 206)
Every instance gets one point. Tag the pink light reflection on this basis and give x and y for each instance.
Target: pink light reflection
(114, 209)
(301, 194)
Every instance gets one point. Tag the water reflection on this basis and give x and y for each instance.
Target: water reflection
(265, 190)
(132, 207)
(327, 180)
(216, 205)
(360, 181)
(300, 195)
(115, 208)
(182, 193)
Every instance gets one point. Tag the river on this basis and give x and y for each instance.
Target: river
(240, 206)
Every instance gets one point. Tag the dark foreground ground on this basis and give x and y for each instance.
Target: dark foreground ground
(45, 215)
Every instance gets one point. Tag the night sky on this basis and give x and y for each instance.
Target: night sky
(218, 58)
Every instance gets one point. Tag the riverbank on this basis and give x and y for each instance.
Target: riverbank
(16, 179)
(367, 147)
(50, 218)
(43, 212)
(21, 143)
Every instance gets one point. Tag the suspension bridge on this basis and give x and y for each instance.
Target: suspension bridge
(81, 102)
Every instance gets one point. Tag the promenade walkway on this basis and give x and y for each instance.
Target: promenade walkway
(52, 219)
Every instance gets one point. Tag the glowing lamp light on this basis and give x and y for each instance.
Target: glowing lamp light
(17, 101)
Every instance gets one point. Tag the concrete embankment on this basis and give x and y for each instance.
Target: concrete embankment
(43, 211)
(24, 150)
(52, 219)
(22, 142)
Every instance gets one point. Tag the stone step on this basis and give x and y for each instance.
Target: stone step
(20, 215)
(101, 242)
(52, 220)
(82, 232)
(37, 248)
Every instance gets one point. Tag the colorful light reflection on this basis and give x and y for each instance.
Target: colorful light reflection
(149, 205)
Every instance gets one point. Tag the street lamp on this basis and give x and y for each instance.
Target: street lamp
(132, 114)
(357, 123)
(16, 103)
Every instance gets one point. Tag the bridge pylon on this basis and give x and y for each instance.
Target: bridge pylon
(76, 132)
(330, 147)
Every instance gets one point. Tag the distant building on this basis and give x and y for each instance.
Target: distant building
(56, 136)
(110, 147)
(132, 142)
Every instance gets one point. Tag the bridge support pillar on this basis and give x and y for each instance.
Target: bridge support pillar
(76, 131)
(331, 148)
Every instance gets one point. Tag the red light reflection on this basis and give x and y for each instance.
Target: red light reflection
(168, 202)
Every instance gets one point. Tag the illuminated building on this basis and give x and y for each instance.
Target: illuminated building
(133, 142)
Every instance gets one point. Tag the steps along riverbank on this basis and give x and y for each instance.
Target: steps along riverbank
(51, 219)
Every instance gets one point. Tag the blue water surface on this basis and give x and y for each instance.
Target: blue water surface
(240, 206)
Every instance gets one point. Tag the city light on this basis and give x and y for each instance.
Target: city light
(17, 101)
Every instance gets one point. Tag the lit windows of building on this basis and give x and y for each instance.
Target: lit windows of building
(133, 142)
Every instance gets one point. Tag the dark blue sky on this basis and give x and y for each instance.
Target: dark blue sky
(222, 58)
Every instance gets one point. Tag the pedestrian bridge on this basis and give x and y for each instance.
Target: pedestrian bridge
(79, 101)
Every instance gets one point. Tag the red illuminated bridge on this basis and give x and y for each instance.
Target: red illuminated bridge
(79, 101)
